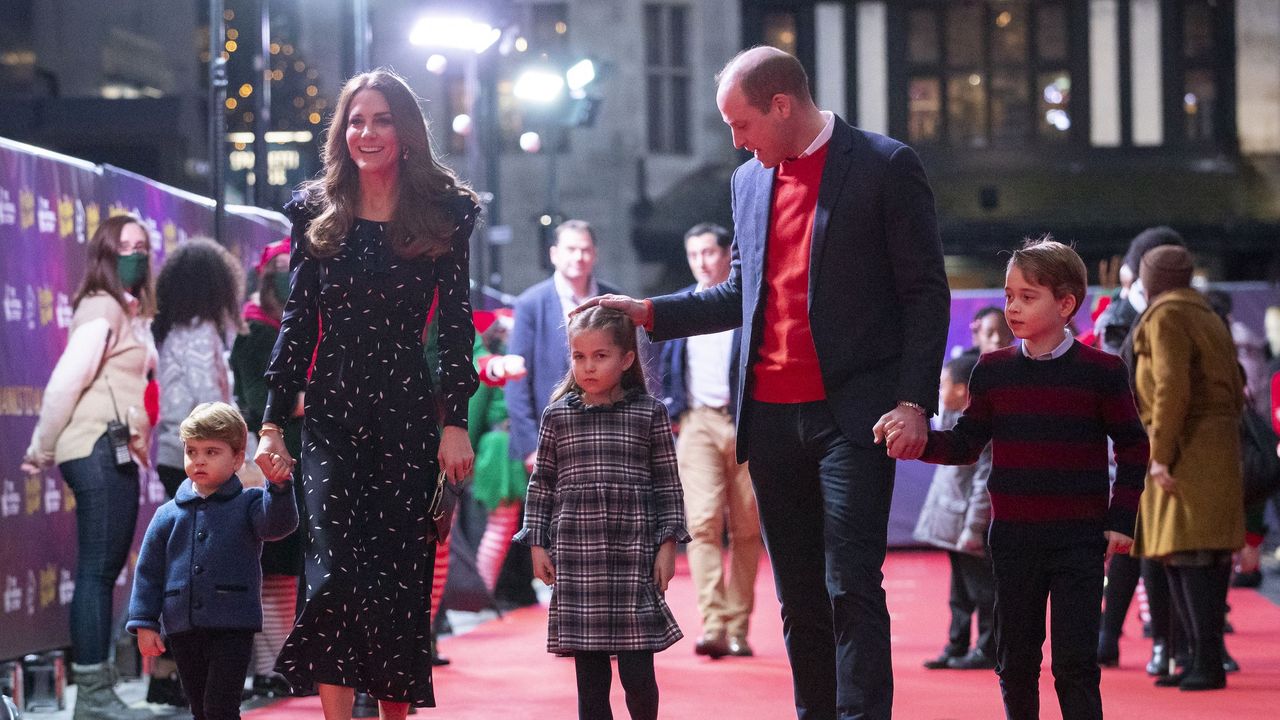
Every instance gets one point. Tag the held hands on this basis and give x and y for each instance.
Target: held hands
(456, 456)
(1160, 475)
(542, 567)
(531, 461)
(273, 457)
(664, 565)
(1118, 543)
(903, 432)
(149, 643)
(634, 309)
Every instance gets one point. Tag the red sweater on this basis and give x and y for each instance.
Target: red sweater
(786, 369)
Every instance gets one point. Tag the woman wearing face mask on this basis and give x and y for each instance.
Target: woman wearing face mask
(98, 382)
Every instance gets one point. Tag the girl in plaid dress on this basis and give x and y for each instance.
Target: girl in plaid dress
(604, 513)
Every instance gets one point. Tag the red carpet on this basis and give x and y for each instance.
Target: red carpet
(501, 670)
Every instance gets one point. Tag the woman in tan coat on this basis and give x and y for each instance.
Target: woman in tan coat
(1190, 395)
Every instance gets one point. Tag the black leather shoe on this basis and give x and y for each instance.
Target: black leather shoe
(738, 646)
(940, 662)
(1203, 681)
(437, 660)
(1158, 665)
(712, 644)
(1173, 680)
(975, 660)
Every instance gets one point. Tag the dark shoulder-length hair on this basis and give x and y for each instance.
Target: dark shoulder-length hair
(200, 281)
(428, 193)
(100, 275)
(623, 332)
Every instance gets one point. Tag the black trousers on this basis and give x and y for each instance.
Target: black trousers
(973, 589)
(1033, 566)
(824, 509)
(1199, 595)
(212, 665)
(595, 676)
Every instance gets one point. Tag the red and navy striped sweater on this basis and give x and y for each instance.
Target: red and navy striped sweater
(1048, 423)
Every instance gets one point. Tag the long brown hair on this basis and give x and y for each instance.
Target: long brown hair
(100, 273)
(623, 332)
(424, 219)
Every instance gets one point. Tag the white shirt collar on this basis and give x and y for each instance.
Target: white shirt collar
(1053, 354)
(823, 136)
(565, 291)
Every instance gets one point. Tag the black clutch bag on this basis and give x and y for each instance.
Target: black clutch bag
(444, 503)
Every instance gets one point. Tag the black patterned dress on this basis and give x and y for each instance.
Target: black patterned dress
(604, 495)
(369, 441)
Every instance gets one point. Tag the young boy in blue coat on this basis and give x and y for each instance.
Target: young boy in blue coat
(198, 586)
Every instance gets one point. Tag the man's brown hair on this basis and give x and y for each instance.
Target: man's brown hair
(1045, 261)
(215, 421)
(779, 72)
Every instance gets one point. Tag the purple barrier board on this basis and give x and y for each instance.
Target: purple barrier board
(50, 205)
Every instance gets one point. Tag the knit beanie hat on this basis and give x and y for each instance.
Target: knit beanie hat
(1146, 240)
(1164, 268)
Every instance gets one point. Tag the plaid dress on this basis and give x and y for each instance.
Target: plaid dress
(604, 495)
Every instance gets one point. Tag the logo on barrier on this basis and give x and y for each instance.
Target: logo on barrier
(33, 307)
(12, 304)
(46, 218)
(66, 216)
(92, 216)
(66, 587)
(52, 495)
(33, 487)
(48, 586)
(63, 311)
(12, 595)
(46, 305)
(10, 499)
(8, 208)
(26, 208)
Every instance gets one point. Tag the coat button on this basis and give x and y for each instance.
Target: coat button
(197, 569)
(202, 535)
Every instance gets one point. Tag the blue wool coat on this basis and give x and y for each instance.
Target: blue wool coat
(200, 564)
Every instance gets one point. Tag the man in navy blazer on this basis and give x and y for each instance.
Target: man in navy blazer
(838, 283)
(538, 333)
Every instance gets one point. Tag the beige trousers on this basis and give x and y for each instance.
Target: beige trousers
(716, 487)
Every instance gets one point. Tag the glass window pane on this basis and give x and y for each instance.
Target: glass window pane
(679, 115)
(780, 31)
(1051, 32)
(967, 110)
(1198, 35)
(1198, 104)
(653, 45)
(1008, 32)
(676, 33)
(1053, 106)
(964, 35)
(922, 40)
(924, 109)
(656, 106)
(1010, 106)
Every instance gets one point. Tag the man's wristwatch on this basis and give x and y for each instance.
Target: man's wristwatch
(914, 406)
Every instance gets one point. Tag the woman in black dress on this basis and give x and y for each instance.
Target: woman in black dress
(374, 239)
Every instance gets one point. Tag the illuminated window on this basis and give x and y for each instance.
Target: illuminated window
(667, 77)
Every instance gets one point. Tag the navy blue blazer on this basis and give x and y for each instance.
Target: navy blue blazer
(674, 355)
(537, 335)
(879, 304)
(199, 566)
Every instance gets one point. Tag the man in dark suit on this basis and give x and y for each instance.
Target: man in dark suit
(837, 281)
(699, 383)
(538, 334)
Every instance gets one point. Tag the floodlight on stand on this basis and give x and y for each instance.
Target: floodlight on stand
(539, 86)
(454, 33)
(580, 75)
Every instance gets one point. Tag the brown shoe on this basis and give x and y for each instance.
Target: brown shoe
(712, 644)
(738, 646)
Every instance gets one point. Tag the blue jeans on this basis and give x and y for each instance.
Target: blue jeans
(106, 513)
(824, 509)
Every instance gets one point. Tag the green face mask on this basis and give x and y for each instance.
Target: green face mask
(131, 269)
(280, 282)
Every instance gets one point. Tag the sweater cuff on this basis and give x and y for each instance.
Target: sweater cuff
(279, 407)
(532, 537)
(648, 318)
(673, 532)
(1122, 521)
(134, 625)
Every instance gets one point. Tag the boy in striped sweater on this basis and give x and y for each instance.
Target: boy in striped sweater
(1048, 406)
